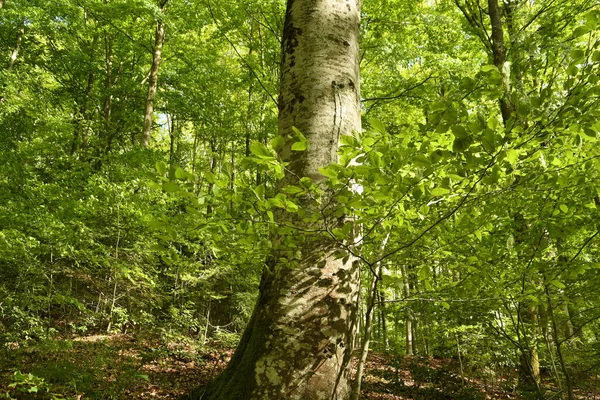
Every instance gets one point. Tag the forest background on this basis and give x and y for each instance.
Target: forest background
(138, 171)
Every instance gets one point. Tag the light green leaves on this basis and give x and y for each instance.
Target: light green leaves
(161, 167)
(261, 151)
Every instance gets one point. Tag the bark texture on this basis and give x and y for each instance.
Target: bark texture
(299, 341)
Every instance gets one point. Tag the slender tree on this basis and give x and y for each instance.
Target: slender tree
(299, 340)
(15, 53)
(159, 40)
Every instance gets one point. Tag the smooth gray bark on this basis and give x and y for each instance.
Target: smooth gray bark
(298, 343)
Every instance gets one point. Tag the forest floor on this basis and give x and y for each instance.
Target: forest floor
(127, 367)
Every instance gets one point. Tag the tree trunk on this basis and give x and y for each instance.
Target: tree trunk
(298, 343)
(529, 365)
(174, 151)
(558, 345)
(364, 348)
(382, 310)
(499, 56)
(107, 108)
(159, 39)
(17, 48)
(82, 116)
(407, 313)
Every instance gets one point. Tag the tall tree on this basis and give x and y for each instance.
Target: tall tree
(159, 40)
(299, 341)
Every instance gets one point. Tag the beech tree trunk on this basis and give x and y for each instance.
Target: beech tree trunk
(159, 39)
(299, 341)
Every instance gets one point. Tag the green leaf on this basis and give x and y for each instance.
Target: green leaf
(180, 174)
(442, 127)
(259, 192)
(260, 150)
(590, 133)
(210, 177)
(377, 125)
(328, 172)
(298, 134)
(347, 140)
(440, 191)
(461, 145)
(170, 187)
(459, 131)
(564, 208)
(557, 284)
(299, 146)
(292, 190)
(577, 54)
(512, 156)
(161, 167)
(580, 31)
(572, 70)
(277, 143)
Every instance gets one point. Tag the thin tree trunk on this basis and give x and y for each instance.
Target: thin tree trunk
(248, 124)
(17, 48)
(1, 4)
(569, 329)
(364, 348)
(159, 39)
(407, 313)
(382, 310)
(107, 109)
(557, 344)
(82, 118)
(114, 296)
(529, 368)
(298, 343)
(499, 56)
(174, 156)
